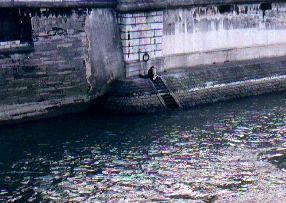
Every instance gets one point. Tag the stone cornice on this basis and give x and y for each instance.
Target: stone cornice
(58, 3)
(124, 5)
(137, 5)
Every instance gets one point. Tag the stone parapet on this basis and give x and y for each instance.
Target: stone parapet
(123, 5)
(59, 3)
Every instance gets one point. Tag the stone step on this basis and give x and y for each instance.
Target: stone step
(165, 94)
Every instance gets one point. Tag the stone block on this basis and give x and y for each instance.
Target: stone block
(155, 18)
(141, 20)
(139, 14)
(131, 57)
(135, 35)
(158, 47)
(128, 21)
(130, 50)
(3, 43)
(144, 41)
(133, 42)
(157, 25)
(156, 13)
(125, 15)
(151, 47)
(139, 27)
(158, 40)
(139, 34)
(124, 35)
(7, 46)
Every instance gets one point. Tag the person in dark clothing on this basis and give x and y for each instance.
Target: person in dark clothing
(152, 74)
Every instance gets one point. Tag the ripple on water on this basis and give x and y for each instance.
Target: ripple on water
(228, 152)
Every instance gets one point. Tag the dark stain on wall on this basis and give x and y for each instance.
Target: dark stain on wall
(15, 24)
(224, 8)
(264, 7)
(222, 17)
(46, 12)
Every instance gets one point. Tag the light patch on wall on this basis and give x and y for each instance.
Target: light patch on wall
(141, 33)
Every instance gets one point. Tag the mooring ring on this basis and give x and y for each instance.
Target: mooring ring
(146, 57)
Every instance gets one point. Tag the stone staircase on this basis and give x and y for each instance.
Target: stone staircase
(165, 93)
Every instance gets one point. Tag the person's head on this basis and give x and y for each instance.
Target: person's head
(152, 67)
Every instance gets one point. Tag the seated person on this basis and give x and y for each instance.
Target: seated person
(152, 74)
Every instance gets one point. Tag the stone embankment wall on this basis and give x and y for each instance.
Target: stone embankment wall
(64, 53)
(201, 85)
(71, 56)
(137, 5)
(227, 82)
(54, 69)
(199, 33)
(132, 96)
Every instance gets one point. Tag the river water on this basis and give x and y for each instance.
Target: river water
(231, 151)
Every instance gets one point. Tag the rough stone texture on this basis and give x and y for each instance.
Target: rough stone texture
(59, 3)
(132, 95)
(104, 58)
(75, 53)
(136, 68)
(228, 81)
(54, 70)
(15, 113)
(201, 85)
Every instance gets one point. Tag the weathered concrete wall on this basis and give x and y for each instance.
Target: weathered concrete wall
(139, 5)
(186, 37)
(105, 58)
(201, 85)
(204, 35)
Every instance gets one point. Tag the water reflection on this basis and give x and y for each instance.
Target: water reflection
(226, 152)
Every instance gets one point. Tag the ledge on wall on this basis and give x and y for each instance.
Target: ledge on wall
(136, 5)
(16, 48)
(59, 3)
